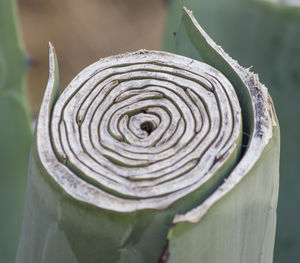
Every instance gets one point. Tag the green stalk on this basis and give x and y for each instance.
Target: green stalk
(143, 150)
(265, 35)
(15, 132)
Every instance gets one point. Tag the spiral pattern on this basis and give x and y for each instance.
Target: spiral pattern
(146, 125)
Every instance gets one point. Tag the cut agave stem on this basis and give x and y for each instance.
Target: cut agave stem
(144, 147)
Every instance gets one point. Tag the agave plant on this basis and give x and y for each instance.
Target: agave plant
(15, 132)
(266, 35)
(154, 157)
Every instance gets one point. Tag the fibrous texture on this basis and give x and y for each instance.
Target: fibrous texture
(138, 148)
(146, 127)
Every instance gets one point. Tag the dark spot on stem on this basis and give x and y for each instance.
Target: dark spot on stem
(164, 256)
(148, 127)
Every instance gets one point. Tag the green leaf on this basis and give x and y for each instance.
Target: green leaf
(265, 35)
(238, 226)
(15, 132)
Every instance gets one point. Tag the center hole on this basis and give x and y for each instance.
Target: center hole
(147, 126)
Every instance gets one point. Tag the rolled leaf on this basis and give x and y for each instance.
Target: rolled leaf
(15, 132)
(142, 149)
(266, 35)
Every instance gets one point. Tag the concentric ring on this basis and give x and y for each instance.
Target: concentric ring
(147, 125)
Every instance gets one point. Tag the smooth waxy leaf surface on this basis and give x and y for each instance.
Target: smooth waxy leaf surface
(264, 35)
